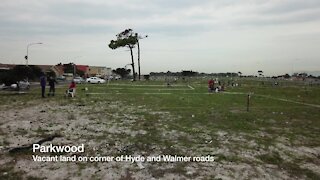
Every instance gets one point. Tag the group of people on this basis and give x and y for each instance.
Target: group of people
(215, 88)
(52, 83)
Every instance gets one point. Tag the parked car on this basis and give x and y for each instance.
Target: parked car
(61, 78)
(95, 80)
(79, 80)
(117, 77)
(21, 85)
(114, 77)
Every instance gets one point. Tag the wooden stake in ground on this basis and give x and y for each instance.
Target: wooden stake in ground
(248, 102)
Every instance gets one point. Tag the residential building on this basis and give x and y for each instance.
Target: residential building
(99, 71)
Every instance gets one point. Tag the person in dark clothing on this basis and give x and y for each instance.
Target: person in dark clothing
(52, 83)
(43, 84)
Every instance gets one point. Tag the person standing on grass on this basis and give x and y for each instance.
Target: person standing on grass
(52, 83)
(43, 84)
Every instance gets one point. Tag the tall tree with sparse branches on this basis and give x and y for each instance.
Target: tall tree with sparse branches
(127, 39)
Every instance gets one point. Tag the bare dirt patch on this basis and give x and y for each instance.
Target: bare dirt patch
(114, 128)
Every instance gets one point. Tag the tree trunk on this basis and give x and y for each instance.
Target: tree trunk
(133, 71)
(139, 59)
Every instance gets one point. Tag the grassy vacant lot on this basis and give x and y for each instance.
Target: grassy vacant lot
(277, 139)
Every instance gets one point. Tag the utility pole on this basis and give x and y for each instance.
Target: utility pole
(139, 37)
(27, 56)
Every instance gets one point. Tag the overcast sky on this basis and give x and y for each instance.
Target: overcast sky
(276, 36)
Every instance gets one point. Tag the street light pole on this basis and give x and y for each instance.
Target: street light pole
(74, 70)
(127, 65)
(27, 56)
(139, 37)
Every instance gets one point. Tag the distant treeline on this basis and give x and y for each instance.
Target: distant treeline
(231, 74)
(193, 73)
(18, 73)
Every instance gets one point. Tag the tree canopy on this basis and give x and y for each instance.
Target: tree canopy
(129, 39)
(122, 72)
(18, 73)
(124, 38)
(188, 73)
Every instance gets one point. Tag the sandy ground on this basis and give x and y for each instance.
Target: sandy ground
(107, 128)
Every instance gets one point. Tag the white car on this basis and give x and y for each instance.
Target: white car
(117, 77)
(21, 85)
(2, 86)
(95, 80)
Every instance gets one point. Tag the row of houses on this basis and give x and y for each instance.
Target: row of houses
(59, 69)
(94, 70)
